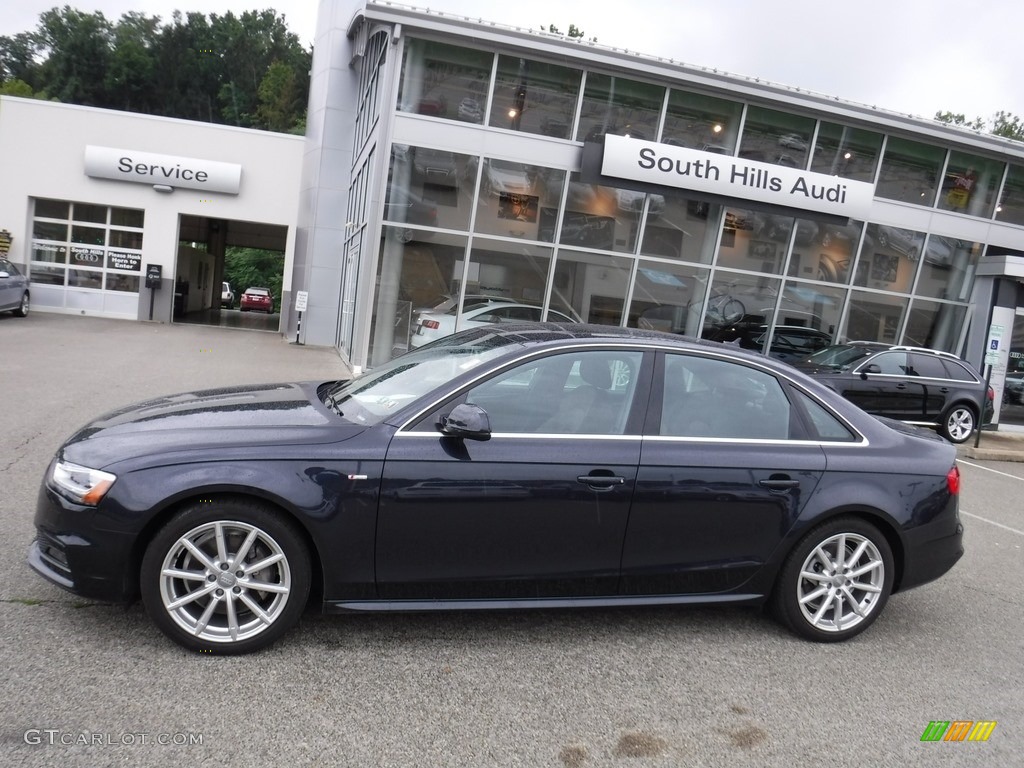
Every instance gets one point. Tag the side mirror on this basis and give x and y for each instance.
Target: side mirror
(4, 274)
(469, 422)
(871, 368)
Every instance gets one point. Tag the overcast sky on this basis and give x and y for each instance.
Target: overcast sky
(910, 56)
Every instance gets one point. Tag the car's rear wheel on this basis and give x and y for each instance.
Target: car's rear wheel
(227, 576)
(835, 582)
(958, 423)
(22, 310)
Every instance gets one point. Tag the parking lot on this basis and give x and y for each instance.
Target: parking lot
(89, 684)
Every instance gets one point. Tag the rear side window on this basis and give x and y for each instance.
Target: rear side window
(928, 366)
(827, 426)
(708, 397)
(958, 372)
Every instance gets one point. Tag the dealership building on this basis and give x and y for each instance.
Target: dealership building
(498, 173)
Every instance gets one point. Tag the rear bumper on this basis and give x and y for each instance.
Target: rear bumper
(928, 556)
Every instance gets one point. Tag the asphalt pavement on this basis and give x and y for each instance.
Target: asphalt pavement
(90, 684)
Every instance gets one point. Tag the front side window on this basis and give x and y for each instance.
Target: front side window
(889, 364)
(709, 397)
(583, 392)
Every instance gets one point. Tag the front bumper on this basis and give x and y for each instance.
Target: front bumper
(72, 553)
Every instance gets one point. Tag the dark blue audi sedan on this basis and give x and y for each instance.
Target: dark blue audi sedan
(507, 466)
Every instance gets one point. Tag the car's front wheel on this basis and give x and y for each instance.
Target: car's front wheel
(22, 310)
(226, 576)
(836, 581)
(958, 423)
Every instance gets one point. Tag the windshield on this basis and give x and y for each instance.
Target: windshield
(840, 356)
(377, 394)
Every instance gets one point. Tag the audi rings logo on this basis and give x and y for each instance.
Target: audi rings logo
(86, 257)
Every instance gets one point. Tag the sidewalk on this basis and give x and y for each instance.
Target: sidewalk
(994, 446)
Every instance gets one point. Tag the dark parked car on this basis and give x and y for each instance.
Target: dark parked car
(918, 386)
(14, 290)
(506, 466)
(789, 342)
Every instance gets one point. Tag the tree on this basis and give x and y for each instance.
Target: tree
(1004, 124)
(280, 102)
(129, 77)
(249, 267)
(77, 48)
(574, 32)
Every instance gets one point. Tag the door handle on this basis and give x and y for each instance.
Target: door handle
(901, 386)
(601, 481)
(779, 483)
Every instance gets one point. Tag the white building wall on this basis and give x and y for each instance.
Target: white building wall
(42, 151)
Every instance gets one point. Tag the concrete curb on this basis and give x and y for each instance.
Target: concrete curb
(994, 446)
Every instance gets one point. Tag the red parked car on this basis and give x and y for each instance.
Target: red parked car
(257, 299)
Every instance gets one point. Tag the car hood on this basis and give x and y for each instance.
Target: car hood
(244, 417)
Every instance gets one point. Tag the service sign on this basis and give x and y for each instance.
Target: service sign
(162, 170)
(692, 169)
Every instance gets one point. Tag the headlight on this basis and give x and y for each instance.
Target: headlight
(81, 484)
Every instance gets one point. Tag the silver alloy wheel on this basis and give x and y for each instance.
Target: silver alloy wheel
(959, 423)
(22, 309)
(225, 581)
(840, 582)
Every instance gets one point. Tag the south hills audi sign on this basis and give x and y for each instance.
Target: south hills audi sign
(735, 177)
(162, 170)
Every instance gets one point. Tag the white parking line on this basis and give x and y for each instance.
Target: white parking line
(989, 469)
(992, 522)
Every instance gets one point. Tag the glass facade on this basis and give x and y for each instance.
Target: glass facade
(492, 237)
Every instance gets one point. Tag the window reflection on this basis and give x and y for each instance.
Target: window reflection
(875, 317)
(889, 258)
(425, 189)
(970, 184)
(619, 106)
(829, 255)
(681, 228)
(517, 200)
(591, 286)
(736, 302)
(776, 137)
(663, 298)
(948, 268)
(701, 122)
(848, 152)
(910, 171)
(535, 97)
(934, 325)
(1011, 203)
(441, 80)
(753, 240)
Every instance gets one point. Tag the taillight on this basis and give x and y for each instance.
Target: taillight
(953, 480)
(991, 394)
(431, 324)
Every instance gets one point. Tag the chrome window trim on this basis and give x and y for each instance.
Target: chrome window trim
(532, 435)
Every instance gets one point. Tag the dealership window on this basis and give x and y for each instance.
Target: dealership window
(947, 271)
(442, 80)
(874, 317)
(510, 275)
(736, 302)
(701, 122)
(413, 277)
(1011, 201)
(517, 200)
(619, 106)
(534, 97)
(84, 245)
(889, 258)
(851, 153)
(910, 171)
(681, 227)
(829, 254)
(664, 297)
(970, 184)
(591, 286)
(755, 241)
(425, 185)
(599, 217)
(776, 137)
(934, 325)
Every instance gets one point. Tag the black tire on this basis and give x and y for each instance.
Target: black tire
(222, 589)
(958, 423)
(23, 307)
(793, 601)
